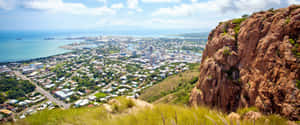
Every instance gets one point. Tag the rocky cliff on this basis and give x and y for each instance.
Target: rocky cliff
(253, 61)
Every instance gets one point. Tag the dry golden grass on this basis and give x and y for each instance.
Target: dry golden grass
(161, 89)
(166, 99)
(161, 114)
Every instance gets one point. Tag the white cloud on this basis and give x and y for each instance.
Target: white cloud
(74, 8)
(251, 5)
(186, 9)
(181, 23)
(115, 22)
(131, 12)
(222, 6)
(132, 4)
(160, 1)
(294, 2)
(117, 6)
(7, 5)
(139, 10)
(49, 5)
(57, 6)
(156, 23)
(103, 1)
(191, 14)
(206, 15)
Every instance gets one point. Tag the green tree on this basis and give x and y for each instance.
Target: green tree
(2, 99)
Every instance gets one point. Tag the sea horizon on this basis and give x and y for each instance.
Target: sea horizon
(22, 45)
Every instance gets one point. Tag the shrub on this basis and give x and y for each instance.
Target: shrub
(2, 98)
(245, 16)
(249, 84)
(225, 28)
(288, 20)
(292, 41)
(226, 51)
(237, 29)
(294, 50)
(297, 45)
(121, 104)
(115, 108)
(298, 54)
(224, 34)
(238, 20)
(129, 103)
(100, 95)
(193, 80)
(238, 23)
(298, 84)
(239, 80)
(209, 77)
(271, 9)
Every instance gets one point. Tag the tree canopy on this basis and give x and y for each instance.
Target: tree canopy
(13, 88)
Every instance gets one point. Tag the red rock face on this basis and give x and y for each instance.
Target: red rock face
(253, 63)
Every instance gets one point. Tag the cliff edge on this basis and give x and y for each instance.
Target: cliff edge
(253, 61)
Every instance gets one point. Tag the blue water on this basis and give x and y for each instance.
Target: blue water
(32, 44)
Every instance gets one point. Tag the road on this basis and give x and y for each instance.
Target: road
(44, 92)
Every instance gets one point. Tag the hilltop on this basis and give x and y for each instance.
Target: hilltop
(122, 111)
(253, 61)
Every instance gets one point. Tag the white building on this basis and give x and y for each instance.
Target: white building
(80, 103)
(65, 93)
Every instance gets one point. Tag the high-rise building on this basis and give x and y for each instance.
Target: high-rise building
(134, 53)
(151, 50)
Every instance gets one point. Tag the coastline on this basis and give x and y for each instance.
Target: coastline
(35, 59)
(72, 47)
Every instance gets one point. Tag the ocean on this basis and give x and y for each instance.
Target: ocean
(24, 45)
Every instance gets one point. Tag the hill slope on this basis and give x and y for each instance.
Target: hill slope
(174, 89)
(253, 61)
(125, 112)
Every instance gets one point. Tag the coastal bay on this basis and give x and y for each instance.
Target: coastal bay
(26, 45)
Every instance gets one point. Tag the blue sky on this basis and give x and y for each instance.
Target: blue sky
(126, 14)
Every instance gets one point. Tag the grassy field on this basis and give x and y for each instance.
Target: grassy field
(164, 114)
(131, 114)
(173, 88)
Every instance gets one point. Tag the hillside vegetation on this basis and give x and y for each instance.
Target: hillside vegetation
(174, 89)
(135, 112)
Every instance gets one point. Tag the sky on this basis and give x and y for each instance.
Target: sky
(126, 14)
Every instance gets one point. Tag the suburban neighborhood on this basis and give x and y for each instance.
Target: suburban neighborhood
(97, 70)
